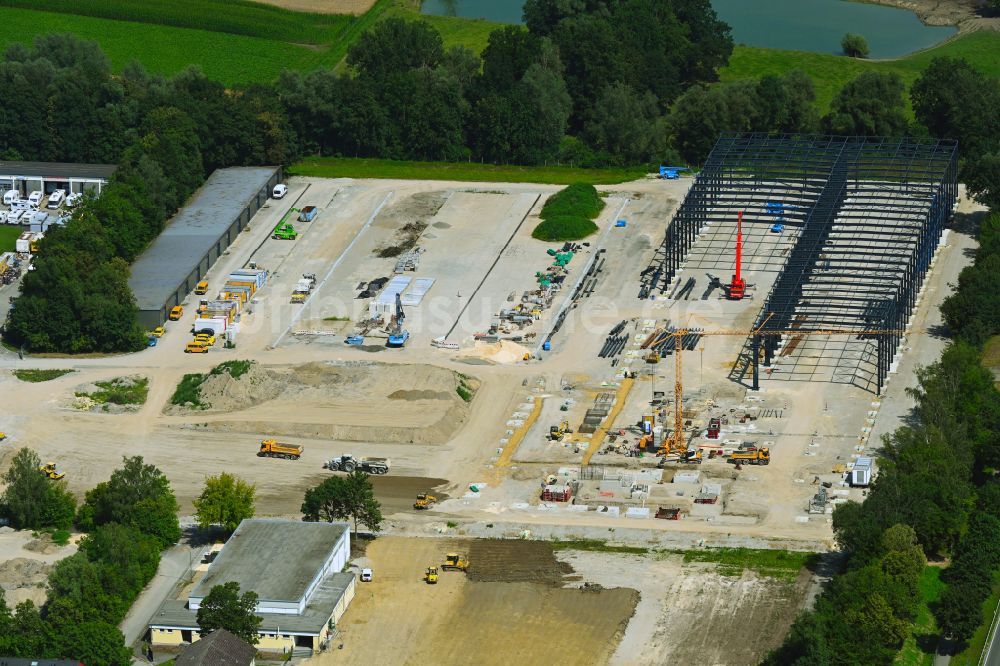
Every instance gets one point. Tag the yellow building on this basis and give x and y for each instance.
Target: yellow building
(296, 569)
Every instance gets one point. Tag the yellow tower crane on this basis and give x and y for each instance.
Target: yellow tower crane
(676, 444)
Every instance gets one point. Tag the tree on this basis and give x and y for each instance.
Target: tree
(131, 557)
(32, 501)
(854, 45)
(621, 123)
(395, 46)
(225, 608)
(955, 101)
(226, 500)
(870, 105)
(350, 497)
(93, 643)
(137, 494)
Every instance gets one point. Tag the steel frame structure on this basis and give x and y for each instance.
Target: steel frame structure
(873, 212)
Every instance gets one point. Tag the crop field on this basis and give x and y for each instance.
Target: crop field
(232, 42)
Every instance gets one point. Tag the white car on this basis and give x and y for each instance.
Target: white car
(366, 575)
(35, 198)
(74, 199)
(55, 199)
(280, 190)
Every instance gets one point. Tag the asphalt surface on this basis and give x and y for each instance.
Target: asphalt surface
(174, 565)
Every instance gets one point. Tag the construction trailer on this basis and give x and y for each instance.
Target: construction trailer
(863, 218)
(861, 473)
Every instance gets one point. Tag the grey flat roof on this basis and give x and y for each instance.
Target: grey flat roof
(275, 558)
(188, 236)
(174, 613)
(56, 170)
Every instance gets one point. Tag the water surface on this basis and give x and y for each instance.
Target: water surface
(802, 25)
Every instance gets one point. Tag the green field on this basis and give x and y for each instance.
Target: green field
(831, 72)
(920, 646)
(349, 167)
(8, 236)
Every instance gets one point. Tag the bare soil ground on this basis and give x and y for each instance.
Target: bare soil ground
(690, 614)
(25, 563)
(355, 401)
(355, 7)
(461, 620)
(966, 14)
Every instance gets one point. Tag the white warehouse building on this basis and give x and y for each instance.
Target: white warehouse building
(47, 177)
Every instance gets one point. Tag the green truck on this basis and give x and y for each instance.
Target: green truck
(284, 232)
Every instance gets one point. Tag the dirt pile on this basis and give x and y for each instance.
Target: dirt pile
(22, 579)
(225, 393)
(349, 401)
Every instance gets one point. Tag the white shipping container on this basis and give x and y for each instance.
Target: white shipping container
(861, 473)
(216, 324)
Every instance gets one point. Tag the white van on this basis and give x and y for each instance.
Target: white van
(10, 196)
(21, 205)
(55, 199)
(15, 217)
(280, 190)
(35, 198)
(74, 199)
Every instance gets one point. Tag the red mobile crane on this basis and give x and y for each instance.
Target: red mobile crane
(738, 287)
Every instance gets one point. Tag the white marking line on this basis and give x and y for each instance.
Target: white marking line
(326, 277)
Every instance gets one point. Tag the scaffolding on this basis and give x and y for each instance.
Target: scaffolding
(862, 220)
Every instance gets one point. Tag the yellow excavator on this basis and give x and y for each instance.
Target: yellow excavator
(455, 562)
(556, 433)
(50, 471)
(424, 502)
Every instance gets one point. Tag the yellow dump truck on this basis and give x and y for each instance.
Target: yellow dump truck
(751, 457)
(270, 448)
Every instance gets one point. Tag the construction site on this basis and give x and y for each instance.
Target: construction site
(713, 367)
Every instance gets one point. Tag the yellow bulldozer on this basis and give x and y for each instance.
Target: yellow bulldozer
(50, 471)
(424, 502)
(455, 562)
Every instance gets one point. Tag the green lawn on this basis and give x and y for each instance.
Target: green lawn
(472, 33)
(8, 236)
(772, 563)
(919, 648)
(831, 72)
(348, 167)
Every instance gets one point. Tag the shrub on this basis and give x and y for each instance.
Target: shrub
(188, 391)
(236, 369)
(40, 375)
(564, 228)
(579, 199)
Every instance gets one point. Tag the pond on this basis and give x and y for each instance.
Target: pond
(803, 25)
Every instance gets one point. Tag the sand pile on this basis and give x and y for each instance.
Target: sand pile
(22, 579)
(224, 393)
(502, 352)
